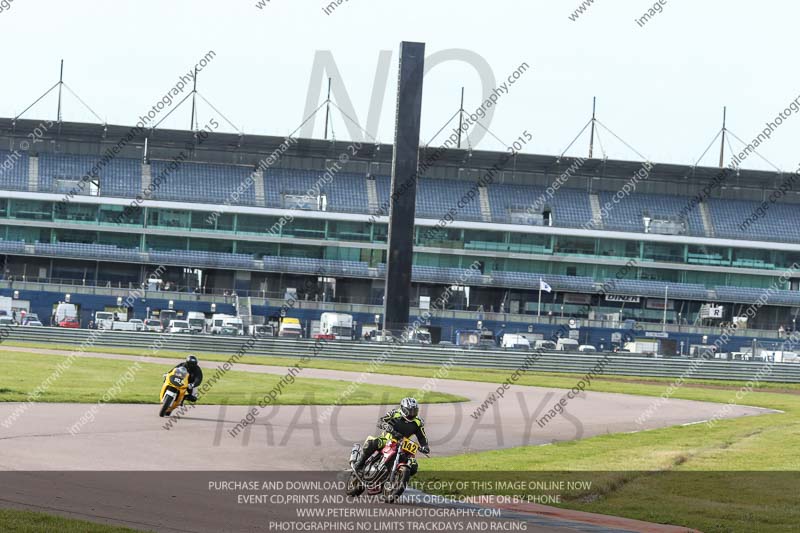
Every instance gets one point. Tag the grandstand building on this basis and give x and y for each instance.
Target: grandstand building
(261, 217)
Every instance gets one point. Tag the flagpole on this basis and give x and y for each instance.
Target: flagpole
(540, 298)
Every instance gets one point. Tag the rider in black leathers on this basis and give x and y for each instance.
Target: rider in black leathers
(195, 376)
(399, 423)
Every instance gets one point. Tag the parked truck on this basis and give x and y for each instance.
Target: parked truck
(219, 321)
(197, 321)
(290, 327)
(338, 326)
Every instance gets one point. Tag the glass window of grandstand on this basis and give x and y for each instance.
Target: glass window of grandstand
(76, 212)
(29, 235)
(169, 218)
(31, 209)
(120, 240)
(439, 237)
(618, 249)
(484, 240)
(574, 245)
(529, 243)
(257, 249)
(663, 251)
(206, 221)
(782, 259)
(753, 258)
(257, 224)
(344, 230)
(311, 252)
(436, 260)
(708, 255)
(120, 214)
(224, 246)
(72, 235)
(380, 233)
(3, 207)
(165, 243)
(661, 274)
(341, 253)
(304, 228)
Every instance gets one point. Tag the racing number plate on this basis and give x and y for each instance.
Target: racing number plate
(409, 446)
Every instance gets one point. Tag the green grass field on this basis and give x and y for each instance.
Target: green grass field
(680, 475)
(12, 521)
(87, 380)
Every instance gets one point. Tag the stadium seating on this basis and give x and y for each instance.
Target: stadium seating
(345, 192)
(568, 207)
(14, 170)
(750, 295)
(205, 183)
(118, 177)
(556, 282)
(656, 289)
(779, 222)
(104, 252)
(627, 214)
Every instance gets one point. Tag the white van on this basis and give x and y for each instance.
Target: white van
(65, 311)
(515, 341)
(103, 320)
(219, 321)
(119, 325)
(545, 345)
(587, 348)
(179, 326)
(197, 321)
(567, 345)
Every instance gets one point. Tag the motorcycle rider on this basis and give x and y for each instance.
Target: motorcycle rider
(195, 375)
(399, 423)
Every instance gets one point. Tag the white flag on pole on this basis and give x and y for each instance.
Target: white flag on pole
(543, 286)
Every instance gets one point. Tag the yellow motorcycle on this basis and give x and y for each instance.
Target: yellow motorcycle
(176, 383)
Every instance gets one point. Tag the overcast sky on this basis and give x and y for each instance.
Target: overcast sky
(661, 87)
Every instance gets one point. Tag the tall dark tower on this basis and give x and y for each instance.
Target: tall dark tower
(404, 186)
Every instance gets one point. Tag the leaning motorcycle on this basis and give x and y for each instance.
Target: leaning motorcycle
(176, 383)
(386, 472)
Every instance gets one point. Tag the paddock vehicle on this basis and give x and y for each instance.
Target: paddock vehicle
(179, 326)
(119, 325)
(176, 383)
(197, 321)
(340, 325)
(153, 324)
(515, 341)
(66, 316)
(261, 330)
(387, 472)
(103, 320)
(290, 327)
(219, 321)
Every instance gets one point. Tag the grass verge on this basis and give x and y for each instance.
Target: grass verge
(87, 380)
(737, 475)
(13, 521)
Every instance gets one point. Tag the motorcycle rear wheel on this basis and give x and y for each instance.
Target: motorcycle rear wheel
(392, 491)
(354, 486)
(166, 403)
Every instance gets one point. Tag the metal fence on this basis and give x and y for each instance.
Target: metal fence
(510, 360)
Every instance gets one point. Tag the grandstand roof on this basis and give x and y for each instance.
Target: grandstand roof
(231, 148)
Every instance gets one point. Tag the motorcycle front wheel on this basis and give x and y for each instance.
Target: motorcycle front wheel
(166, 403)
(392, 491)
(354, 486)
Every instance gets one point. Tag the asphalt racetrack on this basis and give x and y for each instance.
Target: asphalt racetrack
(290, 437)
(125, 468)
